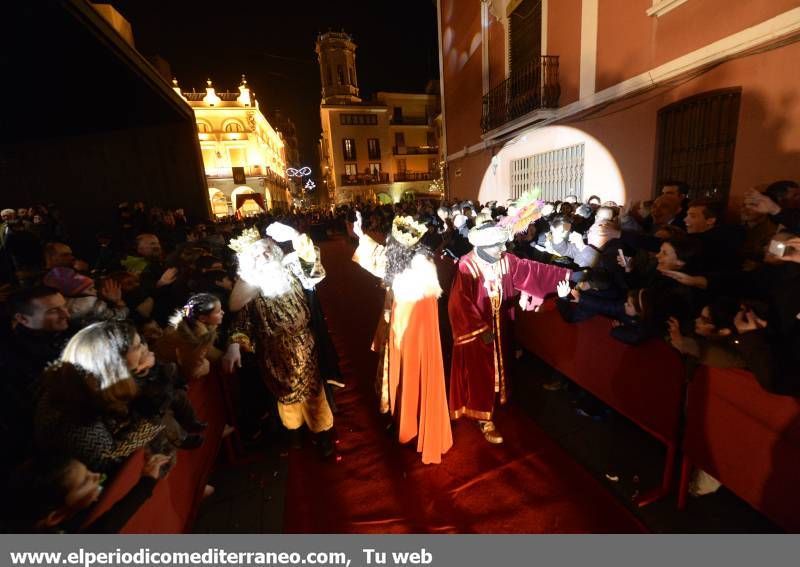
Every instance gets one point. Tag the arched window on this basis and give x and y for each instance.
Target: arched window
(219, 203)
(203, 127)
(234, 126)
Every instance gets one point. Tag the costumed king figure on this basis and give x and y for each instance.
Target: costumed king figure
(481, 308)
(305, 262)
(411, 371)
(274, 322)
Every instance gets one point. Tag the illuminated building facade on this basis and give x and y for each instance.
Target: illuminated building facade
(386, 149)
(614, 98)
(242, 153)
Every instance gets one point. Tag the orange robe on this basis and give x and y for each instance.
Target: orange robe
(415, 375)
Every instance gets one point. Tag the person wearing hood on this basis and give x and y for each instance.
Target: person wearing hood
(481, 306)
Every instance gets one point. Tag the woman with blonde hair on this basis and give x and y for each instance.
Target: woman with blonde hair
(86, 406)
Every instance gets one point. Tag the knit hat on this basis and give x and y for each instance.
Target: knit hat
(69, 282)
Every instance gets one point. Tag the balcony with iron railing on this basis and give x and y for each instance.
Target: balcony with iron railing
(533, 87)
(416, 176)
(365, 178)
(249, 171)
(415, 150)
(253, 171)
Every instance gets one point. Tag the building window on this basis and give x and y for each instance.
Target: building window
(400, 139)
(358, 119)
(203, 127)
(401, 165)
(340, 74)
(430, 139)
(397, 115)
(375, 168)
(433, 164)
(349, 149)
(695, 140)
(556, 173)
(352, 76)
(350, 169)
(234, 126)
(330, 77)
(525, 35)
(374, 148)
(238, 157)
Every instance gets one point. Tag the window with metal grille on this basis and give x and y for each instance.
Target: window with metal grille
(556, 173)
(696, 138)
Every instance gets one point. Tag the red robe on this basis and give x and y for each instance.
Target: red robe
(478, 369)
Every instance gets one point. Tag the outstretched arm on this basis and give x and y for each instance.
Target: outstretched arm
(369, 255)
(534, 279)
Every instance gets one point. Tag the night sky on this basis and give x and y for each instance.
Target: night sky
(272, 42)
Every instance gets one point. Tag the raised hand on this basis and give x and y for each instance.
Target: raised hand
(675, 336)
(232, 358)
(747, 321)
(357, 228)
(168, 277)
(685, 279)
(563, 289)
(111, 291)
(760, 203)
(152, 467)
(791, 252)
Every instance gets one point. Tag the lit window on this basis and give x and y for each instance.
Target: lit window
(349, 149)
(234, 127)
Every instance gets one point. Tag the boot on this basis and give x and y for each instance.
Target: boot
(296, 438)
(490, 433)
(325, 443)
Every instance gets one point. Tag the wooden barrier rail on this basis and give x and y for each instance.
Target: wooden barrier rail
(733, 429)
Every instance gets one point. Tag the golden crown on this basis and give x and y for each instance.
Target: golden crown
(407, 231)
(249, 236)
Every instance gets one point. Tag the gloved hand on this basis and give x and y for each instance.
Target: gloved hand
(280, 232)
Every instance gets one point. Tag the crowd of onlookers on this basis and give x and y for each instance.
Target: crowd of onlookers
(97, 348)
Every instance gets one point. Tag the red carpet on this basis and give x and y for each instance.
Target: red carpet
(526, 485)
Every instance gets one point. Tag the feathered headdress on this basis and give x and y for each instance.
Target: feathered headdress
(522, 212)
(249, 236)
(407, 231)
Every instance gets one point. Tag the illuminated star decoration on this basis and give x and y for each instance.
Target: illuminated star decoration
(310, 185)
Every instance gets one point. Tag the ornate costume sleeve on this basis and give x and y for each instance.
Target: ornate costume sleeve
(305, 262)
(242, 329)
(534, 278)
(466, 318)
(371, 256)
